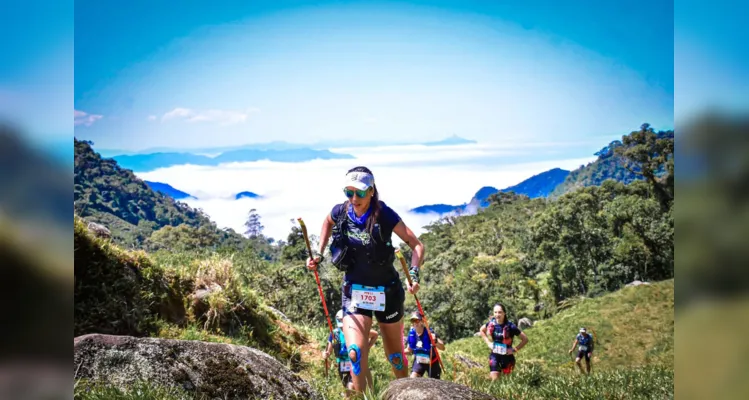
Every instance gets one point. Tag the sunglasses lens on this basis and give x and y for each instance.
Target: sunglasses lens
(350, 193)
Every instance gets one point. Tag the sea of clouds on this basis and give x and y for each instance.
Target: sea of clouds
(406, 176)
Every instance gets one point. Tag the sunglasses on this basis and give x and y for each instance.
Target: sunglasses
(359, 193)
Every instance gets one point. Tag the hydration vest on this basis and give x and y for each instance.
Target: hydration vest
(379, 251)
(339, 346)
(497, 335)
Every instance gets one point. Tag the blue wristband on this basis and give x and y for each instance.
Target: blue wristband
(414, 272)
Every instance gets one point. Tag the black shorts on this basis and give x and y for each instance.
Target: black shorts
(395, 295)
(500, 362)
(584, 354)
(420, 369)
(345, 376)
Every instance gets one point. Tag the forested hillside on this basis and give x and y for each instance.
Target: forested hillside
(612, 163)
(140, 217)
(538, 256)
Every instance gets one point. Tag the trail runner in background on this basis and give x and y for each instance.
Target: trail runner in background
(419, 344)
(498, 335)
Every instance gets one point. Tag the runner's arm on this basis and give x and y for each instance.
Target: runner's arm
(574, 344)
(327, 227)
(327, 351)
(483, 335)
(412, 241)
(523, 342)
(439, 344)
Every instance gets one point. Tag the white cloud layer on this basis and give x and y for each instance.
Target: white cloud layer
(84, 118)
(310, 189)
(221, 117)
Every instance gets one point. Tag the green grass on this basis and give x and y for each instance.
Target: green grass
(626, 366)
(632, 327)
(140, 391)
(634, 330)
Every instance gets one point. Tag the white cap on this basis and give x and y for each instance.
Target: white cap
(582, 330)
(359, 180)
(339, 318)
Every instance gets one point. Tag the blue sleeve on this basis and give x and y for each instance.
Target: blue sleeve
(334, 212)
(514, 330)
(426, 341)
(330, 337)
(388, 217)
(412, 339)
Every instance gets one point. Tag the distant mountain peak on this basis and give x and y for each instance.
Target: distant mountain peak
(246, 194)
(168, 190)
(451, 140)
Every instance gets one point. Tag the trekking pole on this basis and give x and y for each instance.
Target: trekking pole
(319, 287)
(421, 310)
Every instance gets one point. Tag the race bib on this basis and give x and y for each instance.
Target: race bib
(583, 348)
(345, 366)
(368, 297)
(500, 348)
(421, 359)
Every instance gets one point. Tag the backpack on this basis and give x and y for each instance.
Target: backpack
(380, 252)
(339, 348)
(338, 246)
(494, 334)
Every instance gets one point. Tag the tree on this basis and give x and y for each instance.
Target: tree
(648, 154)
(253, 225)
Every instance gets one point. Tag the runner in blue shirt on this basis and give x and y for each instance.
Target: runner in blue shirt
(419, 344)
(362, 229)
(585, 349)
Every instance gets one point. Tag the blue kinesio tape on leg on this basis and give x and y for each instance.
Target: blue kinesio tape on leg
(356, 364)
(397, 360)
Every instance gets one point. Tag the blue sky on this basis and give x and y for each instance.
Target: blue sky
(711, 62)
(150, 74)
(36, 72)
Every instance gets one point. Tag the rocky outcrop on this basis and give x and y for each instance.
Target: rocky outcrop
(99, 230)
(428, 389)
(212, 370)
(525, 323)
(279, 314)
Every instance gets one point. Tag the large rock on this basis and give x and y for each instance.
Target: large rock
(212, 370)
(525, 323)
(99, 230)
(428, 389)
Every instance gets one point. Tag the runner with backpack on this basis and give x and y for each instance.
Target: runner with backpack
(584, 350)
(361, 245)
(420, 345)
(498, 334)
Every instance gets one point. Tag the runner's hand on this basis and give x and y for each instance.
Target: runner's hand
(412, 289)
(312, 263)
